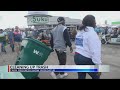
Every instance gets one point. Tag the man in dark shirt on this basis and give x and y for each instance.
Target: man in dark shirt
(106, 30)
(11, 39)
(59, 41)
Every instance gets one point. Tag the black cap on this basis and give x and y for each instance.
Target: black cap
(60, 19)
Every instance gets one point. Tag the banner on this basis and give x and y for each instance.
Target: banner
(58, 68)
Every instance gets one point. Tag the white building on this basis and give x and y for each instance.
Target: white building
(72, 24)
(69, 22)
(41, 20)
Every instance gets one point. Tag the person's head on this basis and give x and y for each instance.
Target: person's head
(1, 30)
(16, 30)
(61, 20)
(12, 29)
(115, 28)
(16, 27)
(107, 27)
(88, 20)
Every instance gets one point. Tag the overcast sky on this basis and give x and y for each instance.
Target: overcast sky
(13, 18)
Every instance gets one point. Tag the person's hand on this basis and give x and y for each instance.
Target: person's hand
(99, 73)
(71, 49)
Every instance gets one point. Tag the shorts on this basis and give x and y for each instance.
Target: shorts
(17, 44)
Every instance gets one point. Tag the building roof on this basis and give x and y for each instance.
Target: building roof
(53, 20)
(37, 15)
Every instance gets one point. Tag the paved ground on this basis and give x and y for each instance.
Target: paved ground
(110, 56)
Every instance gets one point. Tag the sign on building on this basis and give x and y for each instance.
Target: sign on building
(36, 20)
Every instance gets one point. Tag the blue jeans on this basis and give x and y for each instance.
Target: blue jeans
(81, 60)
(3, 46)
(11, 44)
(62, 60)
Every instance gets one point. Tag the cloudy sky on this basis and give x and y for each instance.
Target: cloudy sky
(13, 18)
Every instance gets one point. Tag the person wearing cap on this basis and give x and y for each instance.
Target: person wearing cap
(59, 41)
(88, 47)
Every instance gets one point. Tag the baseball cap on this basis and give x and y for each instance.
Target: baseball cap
(60, 19)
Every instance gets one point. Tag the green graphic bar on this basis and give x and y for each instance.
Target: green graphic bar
(116, 22)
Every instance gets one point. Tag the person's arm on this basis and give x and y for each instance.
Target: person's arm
(94, 44)
(67, 38)
(51, 41)
(13, 38)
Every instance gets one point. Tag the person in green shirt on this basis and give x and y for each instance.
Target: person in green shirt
(2, 41)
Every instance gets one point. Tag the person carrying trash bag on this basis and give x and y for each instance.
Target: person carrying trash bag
(59, 41)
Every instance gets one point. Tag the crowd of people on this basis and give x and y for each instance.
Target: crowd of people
(87, 43)
(14, 37)
(114, 31)
(108, 32)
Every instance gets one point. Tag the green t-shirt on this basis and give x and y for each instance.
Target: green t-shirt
(2, 37)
